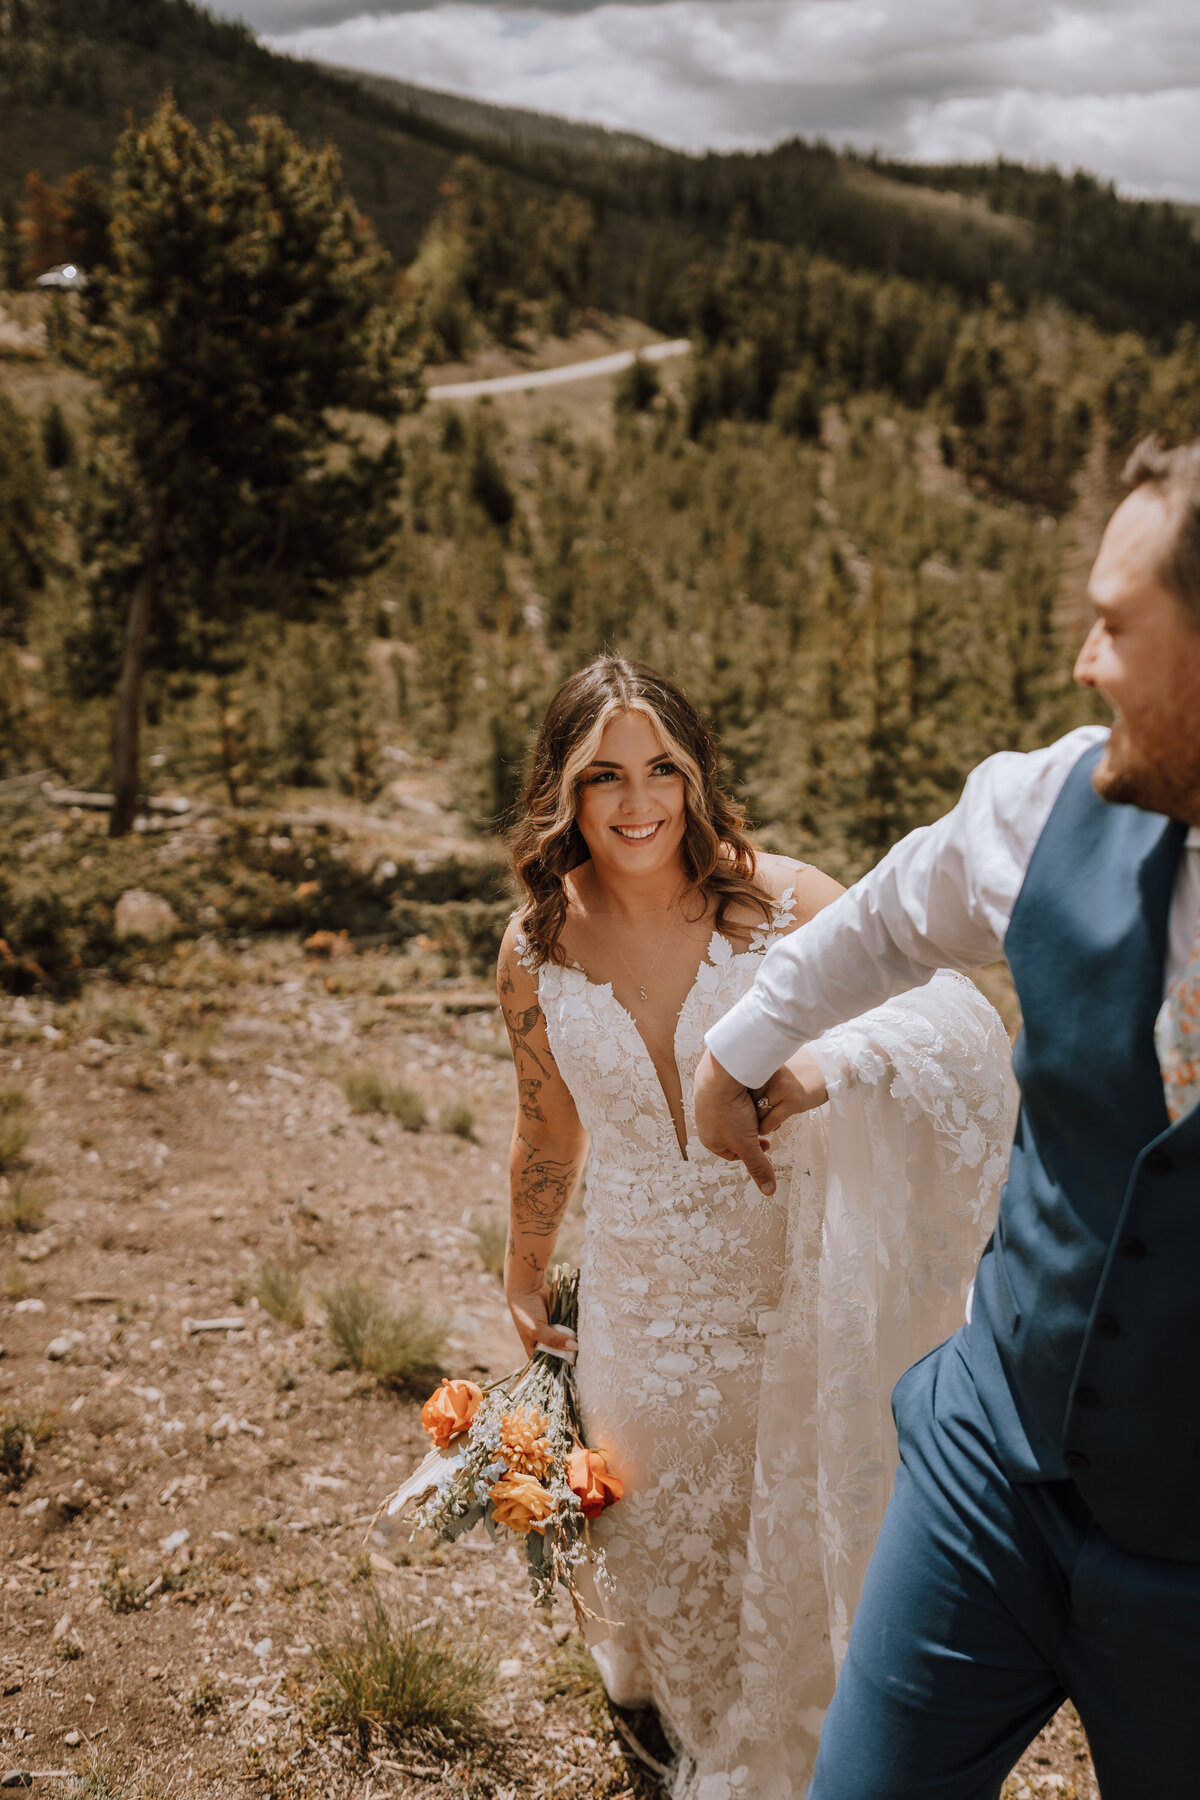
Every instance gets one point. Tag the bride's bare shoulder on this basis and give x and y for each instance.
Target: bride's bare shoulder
(810, 888)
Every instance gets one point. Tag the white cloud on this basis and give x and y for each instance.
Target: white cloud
(1084, 83)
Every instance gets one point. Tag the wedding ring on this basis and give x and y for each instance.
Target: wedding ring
(762, 1104)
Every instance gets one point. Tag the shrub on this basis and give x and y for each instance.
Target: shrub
(20, 1435)
(637, 387)
(57, 443)
(279, 1291)
(23, 1208)
(16, 1451)
(384, 1676)
(400, 1346)
(490, 1240)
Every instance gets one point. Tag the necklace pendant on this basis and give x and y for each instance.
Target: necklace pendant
(643, 993)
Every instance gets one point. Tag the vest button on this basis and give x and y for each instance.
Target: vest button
(1087, 1397)
(1106, 1326)
(1159, 1162)
(1132, 1249)
(1075, 1459)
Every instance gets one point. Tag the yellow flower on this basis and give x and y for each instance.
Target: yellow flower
(521, 1502)
(522, 1444)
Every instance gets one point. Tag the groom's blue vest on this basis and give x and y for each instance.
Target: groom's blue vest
(1085, 1337)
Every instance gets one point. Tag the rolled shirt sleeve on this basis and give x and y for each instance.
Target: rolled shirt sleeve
(941, 898)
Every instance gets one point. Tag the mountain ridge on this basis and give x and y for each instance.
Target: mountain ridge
(72, 70)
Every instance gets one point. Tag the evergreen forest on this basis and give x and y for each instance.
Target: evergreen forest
(244, 554)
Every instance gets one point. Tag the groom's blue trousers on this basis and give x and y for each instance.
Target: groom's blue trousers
(987, 1603)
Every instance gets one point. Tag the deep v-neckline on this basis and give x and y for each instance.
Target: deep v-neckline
(606, 987)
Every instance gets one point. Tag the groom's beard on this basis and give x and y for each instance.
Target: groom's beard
(1156, 764)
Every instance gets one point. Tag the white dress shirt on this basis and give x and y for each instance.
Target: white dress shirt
(941, 898)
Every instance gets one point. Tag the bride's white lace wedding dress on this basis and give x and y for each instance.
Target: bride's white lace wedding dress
(737, 1354)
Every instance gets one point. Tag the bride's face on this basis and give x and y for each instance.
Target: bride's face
(632, 802)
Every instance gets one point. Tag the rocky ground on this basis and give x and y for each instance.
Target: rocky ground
(194, 1525)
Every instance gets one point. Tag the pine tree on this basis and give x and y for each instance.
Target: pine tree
(246, 331)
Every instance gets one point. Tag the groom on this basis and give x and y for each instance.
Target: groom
(1043, 1539)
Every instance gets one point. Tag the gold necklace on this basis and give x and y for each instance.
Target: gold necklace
(640, 985)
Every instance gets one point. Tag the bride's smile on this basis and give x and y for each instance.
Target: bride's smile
(633, 795)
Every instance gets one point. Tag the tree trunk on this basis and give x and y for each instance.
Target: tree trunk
(128, 719)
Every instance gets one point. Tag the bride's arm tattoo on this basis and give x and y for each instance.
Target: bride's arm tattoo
(549, 1143)
(541, 1187)
(528, 1089)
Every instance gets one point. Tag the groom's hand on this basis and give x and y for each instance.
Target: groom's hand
(727, 1121)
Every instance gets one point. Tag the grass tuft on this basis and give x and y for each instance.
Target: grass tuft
(16, 1125)
(570, 1672)
(459, 1120)
(366, 1091)
(99, 1782)
(23, 1207)
(197, 1044)
(399, 1345)
(280, 1292)
(383, 1676)
(120, 1590)
(491, 1238)
(205, 1698)
(118, 1020)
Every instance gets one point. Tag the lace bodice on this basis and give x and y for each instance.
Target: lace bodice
(707, 1314)
(604, 1061)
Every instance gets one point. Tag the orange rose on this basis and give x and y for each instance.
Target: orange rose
(450, 1410)
(588, 1476)
(522, 1502)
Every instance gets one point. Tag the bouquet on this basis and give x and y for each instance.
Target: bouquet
(512, 1457)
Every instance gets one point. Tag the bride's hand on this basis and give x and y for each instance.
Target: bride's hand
(796, 1088)
(528, 1306)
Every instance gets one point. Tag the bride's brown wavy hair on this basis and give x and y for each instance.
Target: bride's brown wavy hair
(718, 856)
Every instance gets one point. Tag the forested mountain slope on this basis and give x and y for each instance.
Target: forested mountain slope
(71, 70)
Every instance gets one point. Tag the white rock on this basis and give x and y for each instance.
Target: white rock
(30, 1306)
(61, 1347)
(176, 1541)
(509, 1668)
(263, 1648)
(143, 915)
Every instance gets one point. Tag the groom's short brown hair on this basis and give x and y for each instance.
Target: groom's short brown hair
(1175, 474)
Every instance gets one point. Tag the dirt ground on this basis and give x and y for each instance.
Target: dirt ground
(187, 1129)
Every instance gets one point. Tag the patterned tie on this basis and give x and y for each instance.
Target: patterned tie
(1177, 1037)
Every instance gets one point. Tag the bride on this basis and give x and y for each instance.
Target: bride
(736, 1350)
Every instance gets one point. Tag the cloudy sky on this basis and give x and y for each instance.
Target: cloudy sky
(1100, 84)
